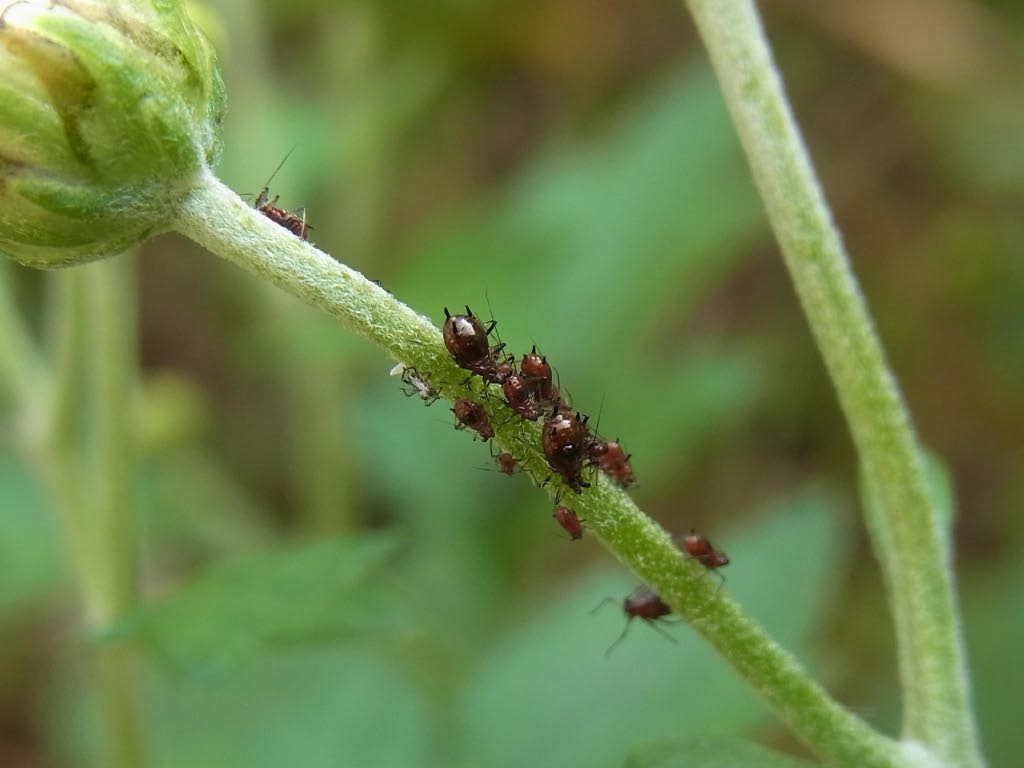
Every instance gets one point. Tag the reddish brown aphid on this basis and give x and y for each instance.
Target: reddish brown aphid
(506, 463)
(520, 397)
(569, 521)
(467, 341)
(614, 462)
(537, 373)
(563, 443)
(704, 552)
(644, 603)
(293, 222)
(472, 416)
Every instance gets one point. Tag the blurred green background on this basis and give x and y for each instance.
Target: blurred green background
(331, 580)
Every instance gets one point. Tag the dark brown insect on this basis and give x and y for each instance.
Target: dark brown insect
(704, 552)
(537, 373)
(563, 442)
(614, 462)
(644, 603)
(520, 397)
(472, 416)
(569, 521)
(467, 341)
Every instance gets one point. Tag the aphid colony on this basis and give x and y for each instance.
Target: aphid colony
(569, 446)
(530, 393)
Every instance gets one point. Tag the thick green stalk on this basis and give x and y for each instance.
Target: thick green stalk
(111, 351)
(215, 217)
(933, 671)
(86, 463)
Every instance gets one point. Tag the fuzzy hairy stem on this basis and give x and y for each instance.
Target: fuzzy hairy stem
(218, 219)
(907, 537)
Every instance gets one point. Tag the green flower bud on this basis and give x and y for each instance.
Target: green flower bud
(109, 112)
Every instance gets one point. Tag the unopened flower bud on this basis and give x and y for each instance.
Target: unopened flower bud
(109, 111)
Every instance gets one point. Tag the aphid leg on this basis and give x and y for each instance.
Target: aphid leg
(653, 624)
(619, 639)
(603, 603)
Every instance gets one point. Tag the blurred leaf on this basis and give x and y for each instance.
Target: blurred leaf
(573, 707)
(29, 554)
(342, 707)
(994, 625)
(306, 594)
(619, 233)
(712, 753)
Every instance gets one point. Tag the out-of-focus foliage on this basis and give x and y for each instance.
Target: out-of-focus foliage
(313, 594)
(571, 165)
(711, 753)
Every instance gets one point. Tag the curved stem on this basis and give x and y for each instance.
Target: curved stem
(226, 225)
(908, 539)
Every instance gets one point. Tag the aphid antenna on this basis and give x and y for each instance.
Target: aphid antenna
(597, 421)
(494, 323)
(266, 187)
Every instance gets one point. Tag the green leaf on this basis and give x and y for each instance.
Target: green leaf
(994, 626)
(29, 554)
(314, 709)
(314, 593)
(721, 752)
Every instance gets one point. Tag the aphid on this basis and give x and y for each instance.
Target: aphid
(614, 462)
(293, 222)
(569, 521)
(472, 416)
(537, 372)
(644, 603)
(467, 341)
(563, 443)
(520, 397)
(506, 463)
(704, 552)
(415, 384)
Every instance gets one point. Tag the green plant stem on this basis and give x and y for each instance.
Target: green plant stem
(111, 308)
(218, 219)
(112, 360)
(932, 666)
(227, 226)
(86, 462)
